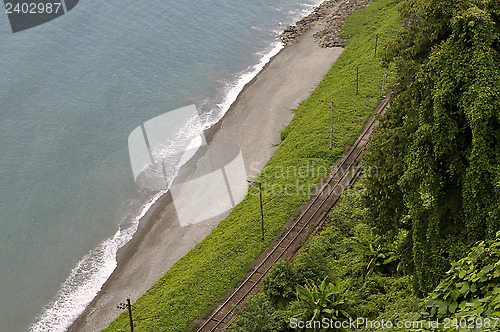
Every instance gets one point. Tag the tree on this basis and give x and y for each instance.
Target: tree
(279, 284)
(438, 148)
(256, 316)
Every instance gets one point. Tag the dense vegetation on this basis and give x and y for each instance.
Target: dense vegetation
(348, 255)
(200, 278)
(467, 300)
(438, 149)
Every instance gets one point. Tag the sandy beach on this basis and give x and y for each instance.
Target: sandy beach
(254, 123)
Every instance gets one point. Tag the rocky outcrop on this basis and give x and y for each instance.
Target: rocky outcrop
(332, 15)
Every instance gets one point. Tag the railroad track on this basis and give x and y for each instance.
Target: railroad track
(309, 221)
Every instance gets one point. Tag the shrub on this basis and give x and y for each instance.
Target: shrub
(472, 288)
(256, 316)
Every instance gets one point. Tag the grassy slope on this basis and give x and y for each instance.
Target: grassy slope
(201, 277)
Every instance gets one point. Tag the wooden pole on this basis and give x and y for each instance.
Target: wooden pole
(129, 306)
(383, 82)
(261, 213)
(376, 42)
(331, 129)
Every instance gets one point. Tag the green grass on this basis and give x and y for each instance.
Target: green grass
(200, 278)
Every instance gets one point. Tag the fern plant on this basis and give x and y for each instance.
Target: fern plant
(318, 302)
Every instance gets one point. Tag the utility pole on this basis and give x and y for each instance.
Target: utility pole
(331, 129)
(129, 306)
(261, 213)
(331, 122)
(259, 185)
(383, 82)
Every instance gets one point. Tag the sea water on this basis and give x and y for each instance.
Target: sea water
(71, 91)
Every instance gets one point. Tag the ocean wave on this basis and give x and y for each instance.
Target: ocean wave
(86, 279)
(234, 89)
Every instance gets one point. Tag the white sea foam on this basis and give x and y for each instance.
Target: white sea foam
(86, 279)
(234, 89)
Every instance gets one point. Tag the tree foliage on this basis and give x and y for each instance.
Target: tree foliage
(279, 284)
(256, 316)
(438, 147)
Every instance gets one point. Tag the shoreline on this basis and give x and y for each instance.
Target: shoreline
(157, 234)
